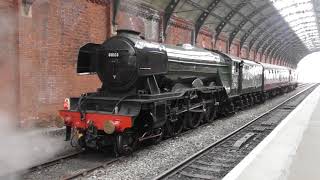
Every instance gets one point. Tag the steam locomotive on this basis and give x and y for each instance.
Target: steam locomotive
(150, 90)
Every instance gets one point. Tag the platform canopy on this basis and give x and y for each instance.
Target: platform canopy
(277, 28)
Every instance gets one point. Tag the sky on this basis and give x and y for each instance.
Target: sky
(309, 68)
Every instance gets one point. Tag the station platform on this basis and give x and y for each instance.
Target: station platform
(291, 151)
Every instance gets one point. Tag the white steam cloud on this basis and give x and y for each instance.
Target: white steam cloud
(22, 149)
(19, 148)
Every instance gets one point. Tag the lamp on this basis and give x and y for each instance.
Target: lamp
(27, 5)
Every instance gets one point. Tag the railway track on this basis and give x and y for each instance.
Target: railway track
(71, 166)
(90, 169)
(84, 163)
(42, 166)
(53, 162)
(112, 160)
(216, 160)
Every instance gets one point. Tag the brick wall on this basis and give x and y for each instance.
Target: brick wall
(140, 18)
(179, 32)
(9, 71)
(244, 53)
(49, 43)
(269, 59)
(251, 55)
(205, 39)
(221, 45)
(258, 57)
(235, 49)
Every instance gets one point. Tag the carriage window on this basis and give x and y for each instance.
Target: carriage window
(237, 67)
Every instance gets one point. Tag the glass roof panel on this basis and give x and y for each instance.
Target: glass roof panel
(301, 17)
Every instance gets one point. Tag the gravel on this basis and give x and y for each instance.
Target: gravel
(153, 160)
(68, 167)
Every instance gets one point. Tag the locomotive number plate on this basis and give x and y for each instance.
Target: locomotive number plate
(113, 55)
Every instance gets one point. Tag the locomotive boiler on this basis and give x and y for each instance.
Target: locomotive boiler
(126, 63)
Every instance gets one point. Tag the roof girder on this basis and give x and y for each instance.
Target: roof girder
(204, 15)
(230, 15)
(274, 30)
(315, 9)
(245, 21)
(214, 15)
(271, 28)
(280, 47)
(284, 49)
(258, 35)
(286, 45)
(223, 22)
(269, 43)
(262, 21)
(233, 11)
(283, 35)
(246, 35)
(274, 48)
(167, 15)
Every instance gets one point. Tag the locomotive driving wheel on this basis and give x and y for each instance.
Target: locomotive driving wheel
(126, 143)
(174, 126)
(194, 119)
(251, 100)
(178, 125)
(210, 114)
(159, 135)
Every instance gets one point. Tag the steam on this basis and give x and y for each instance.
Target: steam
(22, 149)
(19, 149)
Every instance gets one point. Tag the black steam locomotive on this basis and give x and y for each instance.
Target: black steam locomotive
(151, 90)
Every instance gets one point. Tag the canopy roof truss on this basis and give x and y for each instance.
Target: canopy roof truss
(277, 28)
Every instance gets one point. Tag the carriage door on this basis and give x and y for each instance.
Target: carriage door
(240, 78)
(235, 77)
(290, 76)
